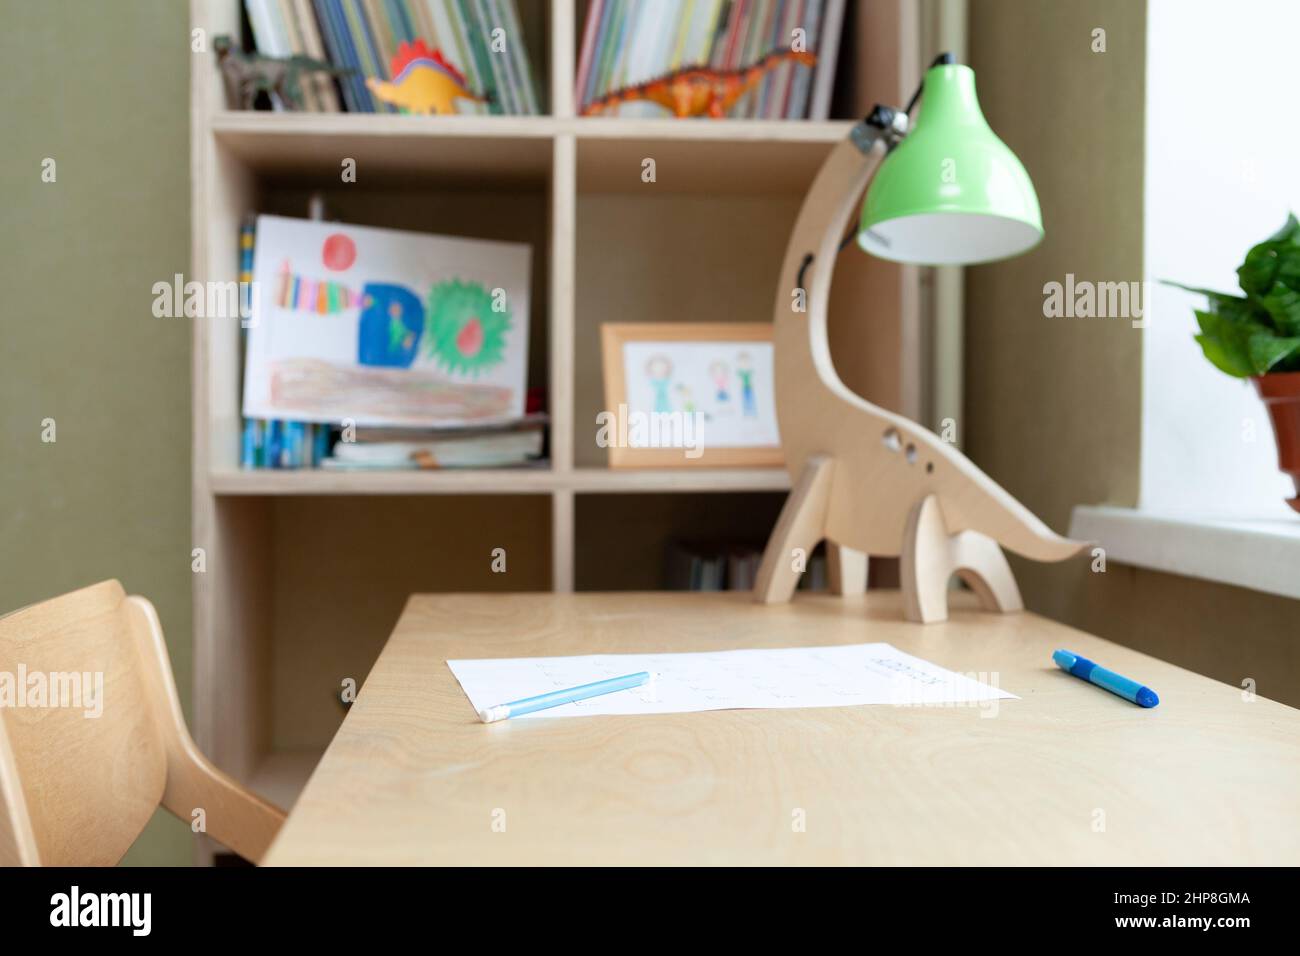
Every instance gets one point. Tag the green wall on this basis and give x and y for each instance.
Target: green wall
(102, 89)
(1053, 406)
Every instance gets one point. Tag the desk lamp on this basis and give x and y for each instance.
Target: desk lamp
(866, 480)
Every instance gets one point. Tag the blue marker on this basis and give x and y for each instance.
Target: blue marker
(1085, 669)
(555, 698)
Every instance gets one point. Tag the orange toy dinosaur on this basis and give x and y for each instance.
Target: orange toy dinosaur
(423, 82)
(698, 90)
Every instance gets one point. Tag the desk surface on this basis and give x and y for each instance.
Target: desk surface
(1068, 774)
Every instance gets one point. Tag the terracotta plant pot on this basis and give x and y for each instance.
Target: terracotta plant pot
(1281, 395)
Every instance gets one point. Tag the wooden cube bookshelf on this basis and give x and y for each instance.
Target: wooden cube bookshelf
(307, 570)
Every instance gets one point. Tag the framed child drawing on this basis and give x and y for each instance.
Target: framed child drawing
(689, 395)
(383, 327)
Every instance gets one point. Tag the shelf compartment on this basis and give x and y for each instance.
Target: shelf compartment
(495, 210)
(660, 257)
(621, 541)
(339, 569)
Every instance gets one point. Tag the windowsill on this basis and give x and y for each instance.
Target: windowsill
(1260, 553)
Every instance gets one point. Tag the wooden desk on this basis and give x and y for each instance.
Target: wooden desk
(1068, 774)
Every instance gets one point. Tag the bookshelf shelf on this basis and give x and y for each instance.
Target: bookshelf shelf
(507, 481)
(236, 125)
(676, 480)
(596, 128)
(499, 149)
(741, 156)
(768, 165)
(501, 481)
(307, 571)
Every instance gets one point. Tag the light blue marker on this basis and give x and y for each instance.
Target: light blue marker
(1117, 684)
(517, 708)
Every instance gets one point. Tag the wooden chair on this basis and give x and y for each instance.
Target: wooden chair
(76, 790)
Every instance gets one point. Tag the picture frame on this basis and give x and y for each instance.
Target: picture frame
(689, 395)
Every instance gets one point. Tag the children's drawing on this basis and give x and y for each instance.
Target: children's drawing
(684, 396)
(720, 373)
(659, 370)
(698, 378)
(745, 372)
(467, 327)
(385, 327)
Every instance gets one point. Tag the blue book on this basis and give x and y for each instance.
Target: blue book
(292, 451)
(274, 443)
(352, 60)
(246, 445)
(334, 48)
(321, 450)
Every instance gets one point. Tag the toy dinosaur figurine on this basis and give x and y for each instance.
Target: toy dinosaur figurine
(699, 90)
(423, 82)
(247, 74)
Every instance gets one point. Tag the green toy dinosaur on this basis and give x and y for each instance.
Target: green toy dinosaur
(247, 74)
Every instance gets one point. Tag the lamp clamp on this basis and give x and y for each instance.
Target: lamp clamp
(889, 123)
(885, 124)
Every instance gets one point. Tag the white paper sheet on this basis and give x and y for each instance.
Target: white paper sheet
(839, 676)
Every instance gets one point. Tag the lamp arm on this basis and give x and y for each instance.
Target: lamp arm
(816, 238)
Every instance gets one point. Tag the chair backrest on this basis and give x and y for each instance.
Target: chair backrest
(92, 738)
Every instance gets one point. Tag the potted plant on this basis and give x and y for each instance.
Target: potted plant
(1256, 335)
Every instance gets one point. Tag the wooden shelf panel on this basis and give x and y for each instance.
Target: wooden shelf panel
(709, 131)
(700, 166)
(698, 156)
(502, 481)
(236, 124)
(468, 481)
(495, 149)
(681, 480)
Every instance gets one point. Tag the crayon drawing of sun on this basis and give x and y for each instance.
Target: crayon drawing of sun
(465, 327)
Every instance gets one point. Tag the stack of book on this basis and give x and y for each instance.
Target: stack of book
(480, 38)
(518, 443)
(727, 566)
(630, 42)
(277, 444)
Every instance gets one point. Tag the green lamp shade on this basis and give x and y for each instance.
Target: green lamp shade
(951, 192)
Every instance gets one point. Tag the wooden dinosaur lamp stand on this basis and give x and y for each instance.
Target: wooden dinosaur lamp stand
(866, 480)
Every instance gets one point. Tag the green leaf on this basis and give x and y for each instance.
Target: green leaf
(1230, 306)
(1220, 358)
(1283, 306)
(1290, 231)
(1225, 343)
(1257, 273)
(1279, 252)
(1267, 350)
(1260, 332)
(1288, 266)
